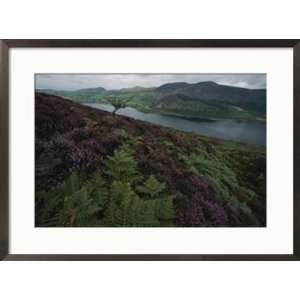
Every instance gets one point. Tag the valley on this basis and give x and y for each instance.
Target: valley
(199, 101)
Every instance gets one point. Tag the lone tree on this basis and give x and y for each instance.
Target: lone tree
(117, 103)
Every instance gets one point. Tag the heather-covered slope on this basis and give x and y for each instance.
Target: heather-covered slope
(98, 169)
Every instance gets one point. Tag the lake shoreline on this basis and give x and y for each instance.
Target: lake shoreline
(224, 129)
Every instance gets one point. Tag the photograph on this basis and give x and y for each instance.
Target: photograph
(150, 149)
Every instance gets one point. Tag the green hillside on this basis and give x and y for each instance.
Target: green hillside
(203, 100)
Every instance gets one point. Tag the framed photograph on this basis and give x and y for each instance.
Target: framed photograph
(150, 149)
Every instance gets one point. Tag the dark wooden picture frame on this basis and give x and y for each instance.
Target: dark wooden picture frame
(6, 45)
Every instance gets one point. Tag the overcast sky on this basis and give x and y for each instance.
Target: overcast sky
(117, 81)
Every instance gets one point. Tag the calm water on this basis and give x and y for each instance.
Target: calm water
(251, 133)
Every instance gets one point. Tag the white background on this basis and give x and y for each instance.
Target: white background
(276, 238)
(149, 19)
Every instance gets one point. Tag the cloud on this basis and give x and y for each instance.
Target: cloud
(117, 81)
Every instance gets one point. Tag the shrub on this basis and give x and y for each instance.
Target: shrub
(74, 203)
(117, 103)
(128, 209)
(122, 166)
(227, 188)
(121, 198)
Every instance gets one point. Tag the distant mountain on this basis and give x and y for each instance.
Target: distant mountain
(91, 91)
(172, 87)
(196, 100)
(135, 89)
(48, 91)
(80, 95)
(247, 99)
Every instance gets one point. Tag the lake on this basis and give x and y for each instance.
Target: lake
(245, 132)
